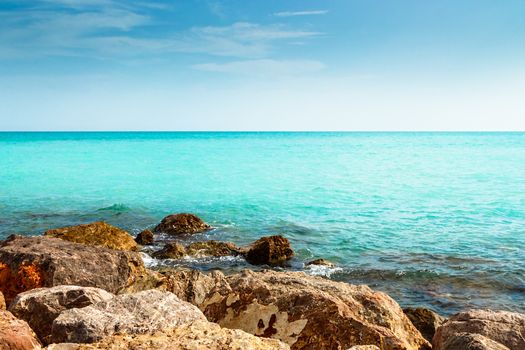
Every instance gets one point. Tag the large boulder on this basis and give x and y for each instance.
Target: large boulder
(16, 334)
(310, 312)
(425, 320)
(96, 233)
(270, 251)
(39, 307)
(33, 262)
(178, 224)
(471, 341)
(503, 327)
(191, 285)
(145, 237)
(140, 313)
(172, 250)
(212, 248)
(201, 335)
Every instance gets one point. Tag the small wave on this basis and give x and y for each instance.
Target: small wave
(117, 208)
(321, 270)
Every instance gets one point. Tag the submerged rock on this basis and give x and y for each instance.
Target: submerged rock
(98, 234)
(140, 313)
(425, 320)
(178, 224)
(201, 335)
(33, 262)
(39, 307)
(310, 312)
(145, 238)
(212, 248)
(320, 262)
(269, 250)
(503, 327)
(172, 250)
(16, 334)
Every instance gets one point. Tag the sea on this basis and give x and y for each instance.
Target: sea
(433, 219)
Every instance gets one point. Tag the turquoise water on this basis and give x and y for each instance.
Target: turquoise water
(434, 219)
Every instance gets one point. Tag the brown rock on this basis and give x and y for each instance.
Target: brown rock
(471, 341)
(191, 285)
(145, 238)
(321, 262)
(269, 250)
(16, 334)
(33, 262)
(177, 224)
(364, 347)
(198, 335)
(310, 312)
(97, 234)
(141, 313)
(212, 248)
(2, 301)
(425, 320)
(506, 328)
(39, 307)
(170, 251)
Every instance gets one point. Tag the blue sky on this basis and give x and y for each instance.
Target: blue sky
(262, 65)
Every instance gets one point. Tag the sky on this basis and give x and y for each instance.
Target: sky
(357, 65)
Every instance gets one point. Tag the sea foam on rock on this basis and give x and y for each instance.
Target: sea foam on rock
(97, 233)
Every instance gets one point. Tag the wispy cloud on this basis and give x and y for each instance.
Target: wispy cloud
(300, 13)
(263, 67)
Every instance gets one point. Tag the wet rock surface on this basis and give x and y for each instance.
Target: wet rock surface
(503, 327)
(145, 237)
(309, 312)
(33, 262)
(320, 262)
(272, 250)
(179, 224)
(425, 320)
(40, 307)
(97, 234)
(140, 313)
(16, 334)
(172, 250)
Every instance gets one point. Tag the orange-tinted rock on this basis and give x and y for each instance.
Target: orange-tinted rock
(178, 224)
(16, 334)
(97, 234)
(310, 312)
(471, 341)
(269, 250)
(32, 262)
(145, 238)
(425, 320)
(503, 327)
(2, 301)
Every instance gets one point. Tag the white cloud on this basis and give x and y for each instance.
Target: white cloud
(263, 67)
(300, 13)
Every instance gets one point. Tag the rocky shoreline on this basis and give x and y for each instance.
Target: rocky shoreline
(86, 287)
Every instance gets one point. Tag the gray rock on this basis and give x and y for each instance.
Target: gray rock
(39, 307)
(140, 313)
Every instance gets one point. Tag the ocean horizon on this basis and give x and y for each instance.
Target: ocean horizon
(434, 219)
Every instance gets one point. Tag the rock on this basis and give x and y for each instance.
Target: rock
(425, 320)
(39, 307)
(364, 347)
(178, 224)
(2, 301)
(191, 285)
(212, 248)
(321, 262)
(97, 234)
(16, 334)
(308, 312)
(140, 313)
(269, 250)
(470, 341)
(170, 251)
(201, 335)
(506, 328)
(145, 238)
(33, 262)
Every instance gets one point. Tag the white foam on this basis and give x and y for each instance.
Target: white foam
(322, 270)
